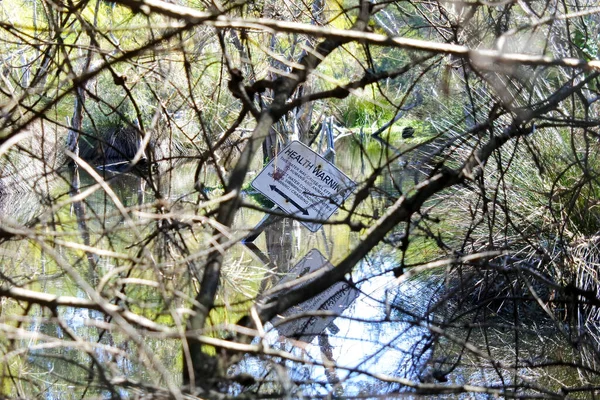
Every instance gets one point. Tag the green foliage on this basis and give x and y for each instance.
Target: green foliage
(363, 109)
(586, 41)
(150, 246)
(258, 197)
(571, 182)
(423, 131)
(556, 187)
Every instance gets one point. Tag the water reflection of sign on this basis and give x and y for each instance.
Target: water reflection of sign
(301, 182)
(337, 298)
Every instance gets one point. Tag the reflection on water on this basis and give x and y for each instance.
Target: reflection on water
(141, 243)
(97, 225)
(362, 339)
(333, 301)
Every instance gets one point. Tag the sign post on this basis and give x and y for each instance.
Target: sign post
(303, 183)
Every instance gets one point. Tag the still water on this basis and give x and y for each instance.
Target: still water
(141, 243)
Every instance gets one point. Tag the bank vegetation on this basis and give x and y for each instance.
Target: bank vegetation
(130, 132)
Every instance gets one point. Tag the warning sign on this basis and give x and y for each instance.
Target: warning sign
(301, 182)
(337, 298)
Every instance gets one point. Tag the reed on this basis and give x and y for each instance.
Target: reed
(537, 201)
(29, 163)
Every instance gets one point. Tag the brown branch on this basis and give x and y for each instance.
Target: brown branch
(401, 211)
(481, 58)
(418, 387)
(342, 91)
(283, 89)
(52, 301)
(75, 82)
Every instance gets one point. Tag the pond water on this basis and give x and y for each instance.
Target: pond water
(141, 244)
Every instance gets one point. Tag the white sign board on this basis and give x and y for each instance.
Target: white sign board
(301, 182)
(337, 298)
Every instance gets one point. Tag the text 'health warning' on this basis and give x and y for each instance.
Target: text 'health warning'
(303, 183)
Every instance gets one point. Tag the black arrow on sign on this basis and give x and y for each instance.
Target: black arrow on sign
(285, 196)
